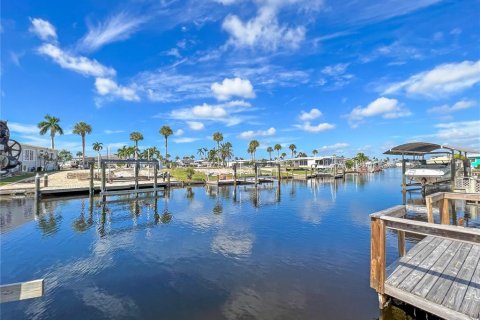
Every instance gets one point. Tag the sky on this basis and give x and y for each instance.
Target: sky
(342, 76)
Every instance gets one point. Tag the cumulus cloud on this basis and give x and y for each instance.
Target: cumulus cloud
(117, 27)
(264, 30)
(385, 107)
(79, 64)
(109, 87)
(233, 87)
(195, 125)
(178, 133)
(308, 127)
(223, 112)
(43, 29)
(460, 105)
(441, 81)
(259, 133)
(467, 132)
(185, 140)
(310, 115)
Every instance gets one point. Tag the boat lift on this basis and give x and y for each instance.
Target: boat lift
(420, 149)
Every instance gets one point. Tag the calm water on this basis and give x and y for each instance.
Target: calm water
(301, 251)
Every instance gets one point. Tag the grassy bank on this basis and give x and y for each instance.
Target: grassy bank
(180, 174)
(4, 181)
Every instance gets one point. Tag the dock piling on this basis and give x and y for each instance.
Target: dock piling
(45, 180)
(91, 190)
(137, 168)
(37, 187)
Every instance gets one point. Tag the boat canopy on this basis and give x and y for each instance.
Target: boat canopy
(422, 148)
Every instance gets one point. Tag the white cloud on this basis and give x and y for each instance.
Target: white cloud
(43, 29)
(233, 87)
(23, 128)
(185, 140)
(335, 70)
(460, 105)
(336, 75)
(78, 64)
(195, 125)
(116, 28)
(173, 52)
(387, 108)
(334, 147)
(464, 131)
(108, 87)
(264, 29)
(441, 81)
(308, 127)
(310, 115)
(259, 133)
(179, 133)
(113, 131)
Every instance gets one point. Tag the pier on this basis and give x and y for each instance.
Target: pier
(441, 273)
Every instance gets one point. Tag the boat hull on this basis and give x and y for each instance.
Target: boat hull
(428, 176)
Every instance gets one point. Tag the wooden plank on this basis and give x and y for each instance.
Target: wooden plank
(454, 297)
(445, 281)
(407, 266)
(435, 197)
(424, 304)
(424, 286)
(471, 301)
(421, 270)
(120, 192)
(21, 291)
(397, 211)
(429, 205)
(444, 212)
(462, 196)
(469, 235)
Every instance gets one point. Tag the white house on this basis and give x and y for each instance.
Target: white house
(318, 162)
(34, 157)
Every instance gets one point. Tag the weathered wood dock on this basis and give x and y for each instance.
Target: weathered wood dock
(440, 274)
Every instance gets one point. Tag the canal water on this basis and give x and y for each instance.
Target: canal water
(300, 250)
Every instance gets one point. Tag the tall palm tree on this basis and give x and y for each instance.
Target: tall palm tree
(226, 151)
(315, 152)
(218, 137)
(200, 152)
(166, 131)
(250, 151)
(79, 154)
(51, 124)
(136, 136)
(82, 129)
(254, 144)
(122, 152)
(283, 155)
(270, 150)
(292, 148)
(277, 148)
(97, 146)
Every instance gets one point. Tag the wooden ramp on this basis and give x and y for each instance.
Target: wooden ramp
(438, 275)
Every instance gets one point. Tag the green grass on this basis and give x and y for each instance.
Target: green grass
(4, 181)
(180, 174)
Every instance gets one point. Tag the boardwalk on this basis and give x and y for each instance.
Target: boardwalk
(440, 276)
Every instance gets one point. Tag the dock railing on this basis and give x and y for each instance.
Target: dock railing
(393, 218)
(442, 200)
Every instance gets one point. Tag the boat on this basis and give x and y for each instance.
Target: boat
(429, 173)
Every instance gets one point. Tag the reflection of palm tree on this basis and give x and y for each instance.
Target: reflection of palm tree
(190, 194)
(49, 226)
(166, 217)
(217, 209)
(80, 225)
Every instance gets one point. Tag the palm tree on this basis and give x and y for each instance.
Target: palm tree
(79, 154)
(226, 151)
(270, 150)
(283, 155)
(150, 153)
(200, 152)
(292, 147)
(97, 146)
(218, 137)
(51, 124)
(122, 152)
(250, 151)
(136, 136)
(82, 129)
(253, 145)
(315, 152)
(277, 148)
(166, 131)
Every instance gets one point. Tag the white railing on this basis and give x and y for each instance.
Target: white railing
(469, 184)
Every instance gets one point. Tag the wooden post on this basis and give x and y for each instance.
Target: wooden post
(45, 180)
(444, 213)
(404, 178)
(37, 187)
(91, 189)
(279, 173)
(378, 256)
(401, 243)
(104, 188)
(453, 170)
(168, 177)
(137, 168)
(234, 174)
(256, 174)
(155, 172)
(429, 205)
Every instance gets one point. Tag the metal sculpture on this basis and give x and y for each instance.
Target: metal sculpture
(10, 150)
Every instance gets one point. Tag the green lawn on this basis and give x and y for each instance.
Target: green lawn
(4, 181)
(180, 174)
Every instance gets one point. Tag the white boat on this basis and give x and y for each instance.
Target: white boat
(429, 173)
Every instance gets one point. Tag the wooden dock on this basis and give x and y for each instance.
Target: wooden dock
(440, 274)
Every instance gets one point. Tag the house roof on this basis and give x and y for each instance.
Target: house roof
(421, 148)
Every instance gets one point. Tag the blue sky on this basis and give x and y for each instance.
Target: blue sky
(338, 76)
